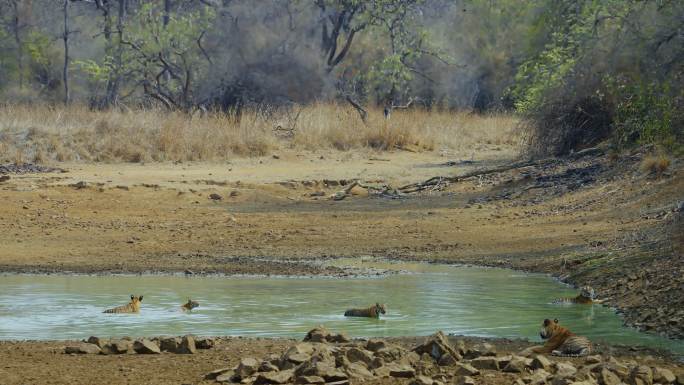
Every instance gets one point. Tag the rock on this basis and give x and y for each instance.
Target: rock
(187, 345)
(170, 344)
(215, 373)
(517, 364)
(641, 375)
(539, 377)
(267, 366)
(204, 343)
(382, 371)
(246, 367)
(321, 369)
(339, 338)
(121, 346)
(281, 377)
(401, 371)
(391, 353)
(422, 380)
(358, 191)
(448, 360)
(215, 197)
(357, 371)
(100, 342)
(663, 376)
(556, 380)
(436, 346)
(564, 369)
(228, 376)
(464, 380)
(606, 377)
(485, 362)
(595, 359)
(374, 345)
(299, 353)
(4, 178)
(82, 348)
(146, 346)
(317, 334)
(460, 347)
(680, 379)
(466, 370)
(79, 185)
(309, 380)
(358, 355)
(376, 363)
(479, 350)
(541, 362)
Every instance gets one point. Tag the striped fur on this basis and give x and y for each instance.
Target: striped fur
(586, 296)
(560, 341)
(189, 305)
(131, 307)
(372, 312)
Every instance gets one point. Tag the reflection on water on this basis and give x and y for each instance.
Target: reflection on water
(460, 300)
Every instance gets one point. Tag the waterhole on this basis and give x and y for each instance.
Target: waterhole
(460, 300)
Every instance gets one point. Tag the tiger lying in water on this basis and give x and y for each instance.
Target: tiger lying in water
(131, 307)
(560, 341)
(189, 305)
(372, 312)
(586, 296)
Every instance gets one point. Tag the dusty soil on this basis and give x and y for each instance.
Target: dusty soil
(46, 363)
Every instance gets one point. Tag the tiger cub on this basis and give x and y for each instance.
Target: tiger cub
(586, 296)
(372, 312)
(560, 341)
(189, 305)
(131, 307)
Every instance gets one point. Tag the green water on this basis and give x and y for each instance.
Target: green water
(460, 300)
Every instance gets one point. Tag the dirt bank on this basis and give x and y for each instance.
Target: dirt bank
(589, 219)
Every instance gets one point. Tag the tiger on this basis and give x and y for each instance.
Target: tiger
(586, 296)
(131, 307)
(188, 306)
(372, 312)
(560, 342)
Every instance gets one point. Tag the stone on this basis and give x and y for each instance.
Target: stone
(539, 377)
(4, 178)
(436, 346)
(357, 371)
(606, 377)
(564, 369)
(309, 380)
(228, 376)
(515, 365)
(422, 380)
(485, 362)
(339, 338)
(215, 373)
(121, 346)
(299, 353)
(466, 370)
(401, 371)
(187, 345)
(479, 350)
(460, 347)
(317, 334)
(391, 353)
(358, 355)
(663, 376)
(382, 371)
(321, 369)
(204, 343)
(448, 360)
(246, 367)
(170, 344)
(145, 346)
(267, 366)
(541, 362)
(215, 197)
(464, 380)
(100, 342)
(376, 363)
(595, 359)
(82, 348)
(556, 380)
(641, 375)
(374, 345)
(281, 377)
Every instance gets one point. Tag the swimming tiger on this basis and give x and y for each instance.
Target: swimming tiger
(560, 341)
(131, 307)
(586, 296)
(372, 312)
(189, 305)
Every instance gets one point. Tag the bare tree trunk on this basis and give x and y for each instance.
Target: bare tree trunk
(65, 73)
(18, 42)
(114, 82)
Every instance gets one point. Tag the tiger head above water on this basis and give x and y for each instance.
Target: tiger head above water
(372, 312)
(189, 305)
(131, 307)
(587, 295)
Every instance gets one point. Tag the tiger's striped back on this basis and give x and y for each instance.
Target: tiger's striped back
(575, 346)
(370, 312)
(586, 296)
(131, 307)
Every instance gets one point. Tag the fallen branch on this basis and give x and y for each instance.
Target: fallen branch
(362, 112)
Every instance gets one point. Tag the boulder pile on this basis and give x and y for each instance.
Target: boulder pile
(327, 358)
(179, 345)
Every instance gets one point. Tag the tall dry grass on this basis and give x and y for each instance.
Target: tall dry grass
(45, 133)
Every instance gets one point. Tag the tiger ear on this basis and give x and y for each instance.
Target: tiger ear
(132, 296)
(140, 299)
(555, 320)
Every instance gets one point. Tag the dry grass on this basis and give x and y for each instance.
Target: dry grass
(655, 165)
(45, 134)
